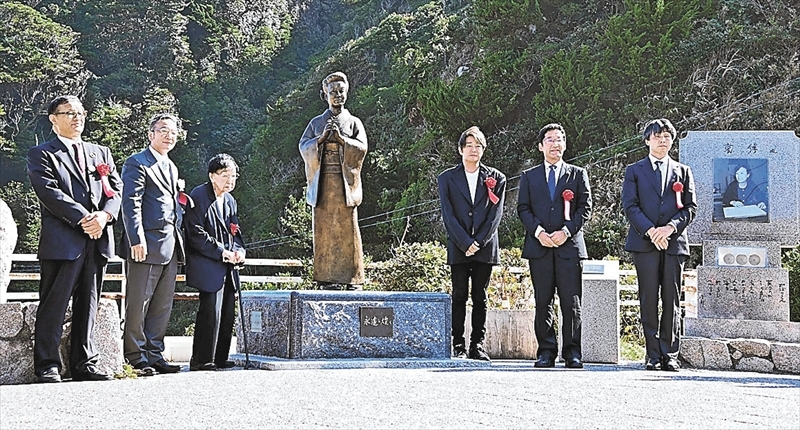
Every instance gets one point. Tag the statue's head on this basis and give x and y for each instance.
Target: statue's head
(334, 89)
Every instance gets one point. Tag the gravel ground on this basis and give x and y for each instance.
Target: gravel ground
(509, 394)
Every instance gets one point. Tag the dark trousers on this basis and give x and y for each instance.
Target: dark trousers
(461, 274)
(659, 277)
(551, 274)
(150, 292)
(81, 280)
(213, 327)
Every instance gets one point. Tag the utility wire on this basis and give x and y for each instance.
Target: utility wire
(278, 241)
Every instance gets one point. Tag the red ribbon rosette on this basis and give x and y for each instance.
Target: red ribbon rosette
(568, 195)
(234, 228)
(678, 188)
(104, 170)
(490, 184)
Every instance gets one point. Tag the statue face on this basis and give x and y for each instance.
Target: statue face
(336, 93)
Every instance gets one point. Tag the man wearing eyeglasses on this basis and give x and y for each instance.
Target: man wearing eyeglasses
(79, 190)
(152, 246)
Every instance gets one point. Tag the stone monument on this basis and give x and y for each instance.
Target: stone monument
(748, 208)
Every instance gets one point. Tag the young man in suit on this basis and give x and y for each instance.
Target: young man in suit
(79, 190)
(659, 202)
(152, 245)
(472, 196)
(554, 202)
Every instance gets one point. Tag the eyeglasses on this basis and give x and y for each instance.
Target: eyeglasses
(227, 176)
(72, 114)
(164, 132)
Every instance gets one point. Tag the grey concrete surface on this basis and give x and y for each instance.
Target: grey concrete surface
(509, 394)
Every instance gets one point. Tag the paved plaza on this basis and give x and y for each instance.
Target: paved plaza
(508, 394)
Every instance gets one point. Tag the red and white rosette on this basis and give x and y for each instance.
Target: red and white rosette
(490, 184)
(568, 195)
(104, 170)
(678, 188)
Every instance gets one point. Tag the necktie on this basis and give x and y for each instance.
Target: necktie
(78, 152)
(659, 181)
(551, 182)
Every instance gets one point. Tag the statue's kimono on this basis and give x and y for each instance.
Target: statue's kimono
(333, 172)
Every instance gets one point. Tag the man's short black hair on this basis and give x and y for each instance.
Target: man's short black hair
(60, 100)
(658, 126)
(548, 127)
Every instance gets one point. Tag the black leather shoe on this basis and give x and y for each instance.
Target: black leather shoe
(652, 364)
(49, 375)
(203, 366)
(90, 374)
(545, 361)
(144, 369)
(476, 352)
(460, 351)
(574, 363)
(162, 366)
(671, 365)
(227, 364)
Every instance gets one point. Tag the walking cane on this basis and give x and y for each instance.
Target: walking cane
(247, 364)
(236, 267)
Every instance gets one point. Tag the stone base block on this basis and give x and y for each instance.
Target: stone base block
(747, 293)
(600, 320)
(779, 331)
(509, 333)
(751, 355)
(345, 324)
(17, 323)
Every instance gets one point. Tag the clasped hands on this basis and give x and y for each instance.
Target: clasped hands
(552, 240)
(234, 257)
(330, 134)
(94, 223)
(660, 236)
(473, 249)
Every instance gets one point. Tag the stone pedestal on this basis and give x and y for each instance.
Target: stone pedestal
(17, 322)
(600, 319)
(346, 324)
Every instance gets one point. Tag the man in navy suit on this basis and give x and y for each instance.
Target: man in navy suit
(659, 201)
(554, 202)
(471, 195)
(79, 190)
(152, 245)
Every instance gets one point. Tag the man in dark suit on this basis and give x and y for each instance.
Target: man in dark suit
(472, 196)
(554, 202)
(79, 190)
(659, 201)
(152, 246)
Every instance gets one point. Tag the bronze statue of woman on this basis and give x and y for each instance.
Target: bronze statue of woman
(333, 147)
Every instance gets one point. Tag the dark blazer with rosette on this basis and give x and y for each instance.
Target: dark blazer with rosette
(66, 197)
(645, 208)
(535, 209)
(208, 233)
(468, 222)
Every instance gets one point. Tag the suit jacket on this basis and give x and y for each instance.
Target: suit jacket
(351, 155)
(535, 209)
(150, 209)
(66, 196)
(208, 234)
(468, 222)
(645, 208)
